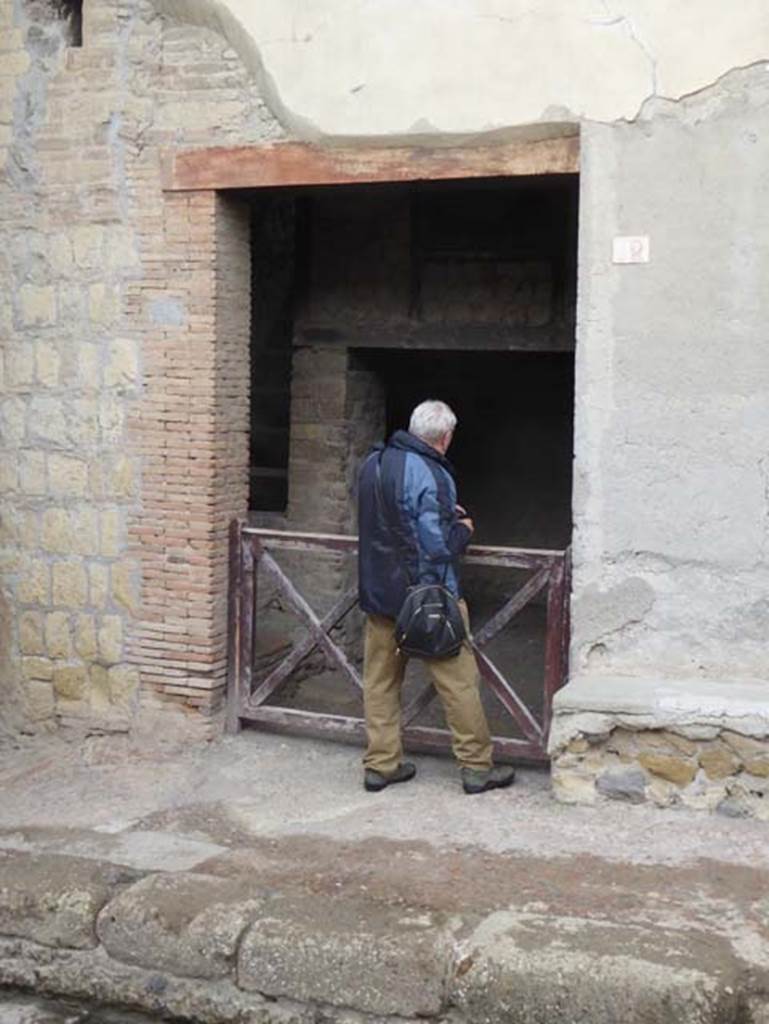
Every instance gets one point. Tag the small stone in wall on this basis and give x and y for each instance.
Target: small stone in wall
(40, 700)
(745, 746)
(572, 788)
(752, 785)
(578, 745)
(718, 762)
(32, 473)
(123, 684)
(70, 584)
(624, 743)
(58, 635)
(85, 636)
(98, 584)
(69, 682)
(34, 585)
(623, 784)
(730, 807)
(37, 668)
(680, 744)
(31, 640)
(675, 769)
(167, 312)
(103, 303)
(747, 796)
(38, 304)
(664, 793)
(758, 766)
(110, 638)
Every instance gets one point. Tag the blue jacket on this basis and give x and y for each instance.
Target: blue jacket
(407, 523)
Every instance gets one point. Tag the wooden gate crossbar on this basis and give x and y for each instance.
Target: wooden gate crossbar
(250, 548)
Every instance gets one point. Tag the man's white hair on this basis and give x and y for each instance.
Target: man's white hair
(432, 420)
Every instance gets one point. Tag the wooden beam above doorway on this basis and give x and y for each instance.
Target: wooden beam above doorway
(296, 163)
(444, 337)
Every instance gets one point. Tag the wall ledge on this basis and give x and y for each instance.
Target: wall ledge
(647, 702)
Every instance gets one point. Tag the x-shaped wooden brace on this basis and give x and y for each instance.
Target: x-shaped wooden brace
(507, 696)
(318, 636)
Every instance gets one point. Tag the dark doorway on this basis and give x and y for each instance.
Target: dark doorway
(472, 272)
(512, 450)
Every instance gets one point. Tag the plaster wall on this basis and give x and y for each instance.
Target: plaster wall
(671, 503)
(357, 68)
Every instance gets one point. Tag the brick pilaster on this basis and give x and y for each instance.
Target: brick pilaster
(191, 432)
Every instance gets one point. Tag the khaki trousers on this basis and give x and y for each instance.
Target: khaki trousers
(455, 679)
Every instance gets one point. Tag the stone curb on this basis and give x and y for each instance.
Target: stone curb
(54, 900)
(346, 952)
(525, 968)
(189, 925)
(94, 977)
(220, 951)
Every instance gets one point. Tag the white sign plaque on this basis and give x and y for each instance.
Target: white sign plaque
(630, 249)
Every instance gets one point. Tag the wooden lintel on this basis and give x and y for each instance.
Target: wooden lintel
(295, 163)
(446, 336)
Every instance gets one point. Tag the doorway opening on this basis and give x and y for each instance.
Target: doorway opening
(512, 449)
(367, 299)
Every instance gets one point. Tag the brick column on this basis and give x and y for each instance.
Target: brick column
(318, 497)
(191, 432)
(337, 413)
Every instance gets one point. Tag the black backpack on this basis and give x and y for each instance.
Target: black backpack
(430, 623)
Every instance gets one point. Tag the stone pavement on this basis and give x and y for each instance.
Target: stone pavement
(21, 1008)
(255, 880)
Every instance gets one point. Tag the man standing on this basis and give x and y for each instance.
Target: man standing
(412, 530)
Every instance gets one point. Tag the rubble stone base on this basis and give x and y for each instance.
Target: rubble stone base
(703, 746)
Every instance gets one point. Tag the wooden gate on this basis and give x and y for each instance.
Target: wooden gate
(250, 549)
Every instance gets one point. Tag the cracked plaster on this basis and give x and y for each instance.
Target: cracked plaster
(672, 392)
(341, 69)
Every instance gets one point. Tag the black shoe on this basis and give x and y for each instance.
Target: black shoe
(474, 781)
(375, 782)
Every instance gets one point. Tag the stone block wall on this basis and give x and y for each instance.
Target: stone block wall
(122, 325)
(318, 497)
(727, 773)
(319, 475)
(670, 744)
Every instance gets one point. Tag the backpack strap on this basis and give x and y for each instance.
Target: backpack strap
(406, 557)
